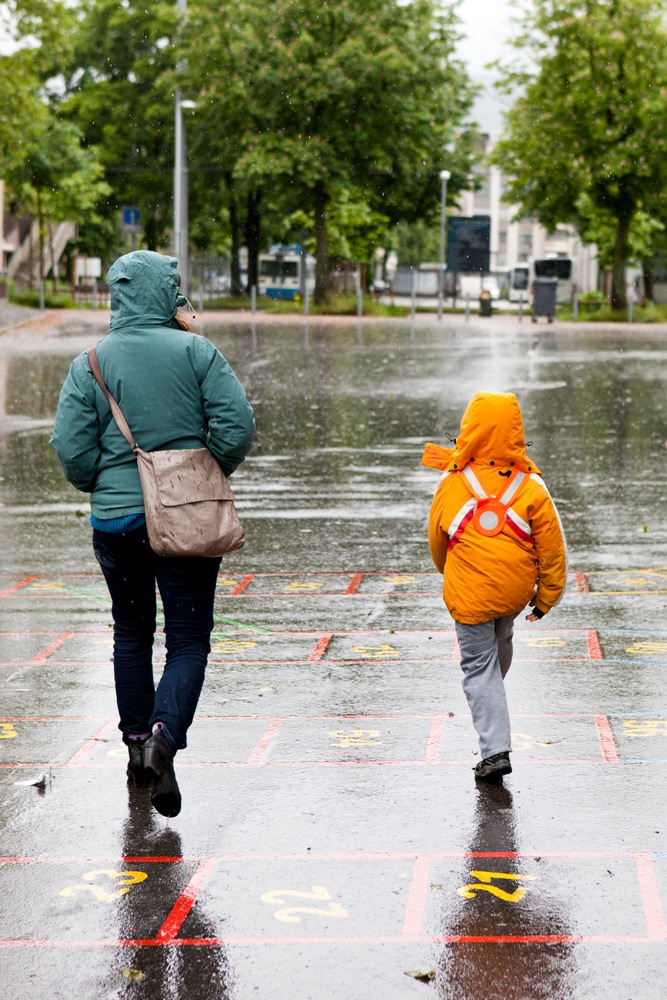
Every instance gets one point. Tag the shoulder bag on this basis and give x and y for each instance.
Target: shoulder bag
(189, 503)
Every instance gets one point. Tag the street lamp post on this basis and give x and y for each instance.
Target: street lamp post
(181, 193)
(444, 177)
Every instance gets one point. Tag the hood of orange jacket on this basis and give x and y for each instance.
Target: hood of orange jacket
(491, 434)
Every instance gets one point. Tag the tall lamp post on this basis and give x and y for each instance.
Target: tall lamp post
(181, 193)
(444, 177)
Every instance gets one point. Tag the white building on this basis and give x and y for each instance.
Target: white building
(515, 241)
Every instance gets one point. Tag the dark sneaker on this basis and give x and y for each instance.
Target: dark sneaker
(136, 771)
(159, 764)
(493, 768)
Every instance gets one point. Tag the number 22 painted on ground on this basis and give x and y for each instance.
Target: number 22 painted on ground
(288, 913)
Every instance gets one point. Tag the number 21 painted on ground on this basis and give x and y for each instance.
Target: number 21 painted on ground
(471, 890)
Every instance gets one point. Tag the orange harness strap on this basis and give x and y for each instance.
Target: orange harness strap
(491, 512)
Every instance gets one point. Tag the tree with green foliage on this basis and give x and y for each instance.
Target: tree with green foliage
(587, 136)
(320, 99)
(119, 82)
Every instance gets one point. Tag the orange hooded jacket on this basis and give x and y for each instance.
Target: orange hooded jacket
(490, 577)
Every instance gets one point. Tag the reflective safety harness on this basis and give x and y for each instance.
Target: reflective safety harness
(489, 514)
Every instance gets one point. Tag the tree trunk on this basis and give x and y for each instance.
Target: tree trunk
(252, 236)
(235, 264)
(321, 244)
(618, 294)
(649, 279)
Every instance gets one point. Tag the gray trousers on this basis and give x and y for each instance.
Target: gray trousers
(486, 656)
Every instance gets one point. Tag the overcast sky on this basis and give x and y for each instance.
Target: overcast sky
(486, 25)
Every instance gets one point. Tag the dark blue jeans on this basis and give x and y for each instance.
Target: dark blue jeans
(187, 588)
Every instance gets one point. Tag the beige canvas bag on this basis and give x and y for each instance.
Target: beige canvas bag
(189, 503)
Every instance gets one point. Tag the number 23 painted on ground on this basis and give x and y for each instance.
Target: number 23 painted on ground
(125, 879)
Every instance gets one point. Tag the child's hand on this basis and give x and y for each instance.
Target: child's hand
(532, 617)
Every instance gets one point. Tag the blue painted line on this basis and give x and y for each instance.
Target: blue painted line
(644, 760)
(631, 715)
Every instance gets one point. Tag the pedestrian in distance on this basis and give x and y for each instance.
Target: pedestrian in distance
(176, 391)
(495, 534)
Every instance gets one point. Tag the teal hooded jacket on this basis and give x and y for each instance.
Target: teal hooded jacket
(175, 390)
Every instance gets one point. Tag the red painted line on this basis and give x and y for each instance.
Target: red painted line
(90, 745)
(651, 901)
(606, 738)
(320, 648)
(452, 762)
(417, 895)
(18, 586)
(355, 583)
(582, 583)
(245, 582)
(594, 650)
(258, 752)
(52, 647)
(185, 902)
(432, 751)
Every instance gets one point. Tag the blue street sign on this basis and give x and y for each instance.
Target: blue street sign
(131, 217)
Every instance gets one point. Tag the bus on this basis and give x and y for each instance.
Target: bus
(561, 268)
(281, 273)
(518, 283)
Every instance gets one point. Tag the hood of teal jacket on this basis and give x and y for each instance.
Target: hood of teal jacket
(144, 289)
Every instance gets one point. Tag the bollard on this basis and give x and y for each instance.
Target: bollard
(630, 308)
(575, 309)
(520, 308)
(360, 301)
(306, 300)
(467, 306)
(413, 300)
(253, 299)
(41, 295)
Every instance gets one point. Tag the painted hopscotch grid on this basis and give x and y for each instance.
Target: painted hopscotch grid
(641, 736)
(304, 899)
(623, 582)
(315, 741)
(235, 642)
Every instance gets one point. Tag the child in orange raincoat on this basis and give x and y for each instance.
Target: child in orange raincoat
(495, 534)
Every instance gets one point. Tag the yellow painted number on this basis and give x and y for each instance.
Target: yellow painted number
(356, 738)
(381, 652)
(645, 727)
(288, 914)
(648, 648)
(471, 890)
(231, 646)
(7, 731)
(398, 580)
(124, 879)
(305, 585)
(543, 640)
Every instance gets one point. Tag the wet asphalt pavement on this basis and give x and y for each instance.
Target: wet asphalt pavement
(332, 841)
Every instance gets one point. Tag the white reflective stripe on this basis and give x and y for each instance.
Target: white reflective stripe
(518, 521)
(474, 482)
(511, 490)
(467, 507)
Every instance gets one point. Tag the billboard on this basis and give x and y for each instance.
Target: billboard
(468, 243)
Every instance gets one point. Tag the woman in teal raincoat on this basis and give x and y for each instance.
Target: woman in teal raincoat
(176, 391)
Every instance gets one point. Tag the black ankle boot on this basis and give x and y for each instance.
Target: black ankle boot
(159, 764)
(136, 770)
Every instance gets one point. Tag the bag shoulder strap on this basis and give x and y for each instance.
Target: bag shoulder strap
(510, 492)
(123, 425)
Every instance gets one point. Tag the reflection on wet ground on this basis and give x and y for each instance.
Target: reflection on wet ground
(332, 838)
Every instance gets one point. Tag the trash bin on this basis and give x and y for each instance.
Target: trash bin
(485, 304)
(544, 298)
